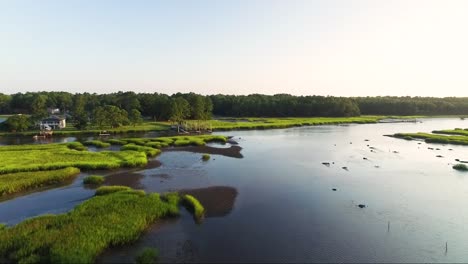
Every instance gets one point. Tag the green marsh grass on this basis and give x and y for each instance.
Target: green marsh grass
(149, 151)
(80, 235)
(270, 123)
(104, 190)
(22, 181)
(116, 142)
(97, 143)
(57, 156)
(93, 179)
(194, 206)
(147, 256)
(435, 138)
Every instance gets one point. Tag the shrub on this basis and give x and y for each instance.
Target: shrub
(104, 190)
(93, 179)
(147, 256)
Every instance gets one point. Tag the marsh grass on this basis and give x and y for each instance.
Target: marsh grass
(97, 143)
(57, 156)
(93, 179)
(206, 157)
(435, 138)
(116, 142)
(194, 206)
(177, 141)
(104, 190)
(270, 123)
(147, 256)
(22, 181)
(149, 151)
(80, 235)
(460, 167)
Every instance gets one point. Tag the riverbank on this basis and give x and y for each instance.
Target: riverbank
(221, 124)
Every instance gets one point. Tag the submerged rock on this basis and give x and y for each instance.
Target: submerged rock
(361, 205)
(334, 189)
(344, 168)
(326, 164)
(364, 158)
(439, 156)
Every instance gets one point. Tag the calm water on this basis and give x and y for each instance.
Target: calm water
(278, 204)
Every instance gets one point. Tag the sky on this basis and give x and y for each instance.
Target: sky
(299, 47)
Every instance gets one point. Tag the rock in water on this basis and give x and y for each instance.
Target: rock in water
(362, 206)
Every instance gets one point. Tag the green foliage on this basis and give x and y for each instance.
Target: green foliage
(3, 227)
(20, 158)
(80, 235)
(93, 179)
(110, 115)
(22, 181)
(460, 167)
(135, 117)
(147, 256)
(97, 143)
(206, 157)
(18, 123)
(104, 190)
(149, 151)
(194, 206)
(180, 110)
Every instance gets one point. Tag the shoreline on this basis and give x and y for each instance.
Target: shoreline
(242, 123)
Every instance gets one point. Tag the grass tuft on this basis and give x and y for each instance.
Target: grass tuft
(93, 179)
(104, 190)
(97, 143)
(206, 157)
(194, 206)
(147, 256)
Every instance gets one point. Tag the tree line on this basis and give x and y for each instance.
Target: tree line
(123, 108)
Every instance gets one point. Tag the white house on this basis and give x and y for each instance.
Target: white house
(53, 122)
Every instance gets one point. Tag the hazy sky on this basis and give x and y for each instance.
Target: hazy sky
(344, 48)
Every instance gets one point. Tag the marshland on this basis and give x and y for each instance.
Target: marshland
(413, 200)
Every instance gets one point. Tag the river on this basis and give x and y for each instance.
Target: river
(275, 203)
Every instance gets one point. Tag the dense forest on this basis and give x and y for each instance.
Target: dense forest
(84, 107)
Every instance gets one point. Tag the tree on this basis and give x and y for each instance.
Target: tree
(110, 115)
(135, 117)
(79, 114)
(38, 107)
(18, 123)
(180, 110)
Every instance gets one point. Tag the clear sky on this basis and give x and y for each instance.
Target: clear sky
(301, 47)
